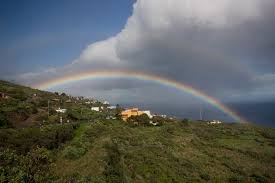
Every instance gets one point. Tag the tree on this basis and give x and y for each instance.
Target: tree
(118, 112)
(36, 165)
(159, 120)
(141, 119)
(4, 122)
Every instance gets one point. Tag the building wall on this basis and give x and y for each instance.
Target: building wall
(130, 112)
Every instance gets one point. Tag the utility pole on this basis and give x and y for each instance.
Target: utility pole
(201, 117)
(48, 108)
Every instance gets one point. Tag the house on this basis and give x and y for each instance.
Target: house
(111, 107)
(96, 109)
(134, 112)
(214, 122)
(4, 96)
(130, 112)
(148, 114)
(106, 103)
(61, 110)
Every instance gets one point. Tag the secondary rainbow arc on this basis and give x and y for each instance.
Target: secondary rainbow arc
(145, 77)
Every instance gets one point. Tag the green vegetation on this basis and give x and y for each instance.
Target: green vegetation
(173, 152)
(142, 120)
(27, 107)
(36, 147)
(27, 154)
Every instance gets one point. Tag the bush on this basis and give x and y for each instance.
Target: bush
(94, 132)
(259, 178)
(268, 133)
(4, 122)
(77, 178)
(236, 179)
(53, 119)
(43, 103)
(33, 167)
(185, 122)
(36, 165)
(23, 140)
(18, 94)
(114, 170)
(10, 169)
(205, 176)
(159, 120)
(143, 120)
(73, 152)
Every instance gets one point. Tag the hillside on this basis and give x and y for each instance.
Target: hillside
(91, 148)
(22, 107)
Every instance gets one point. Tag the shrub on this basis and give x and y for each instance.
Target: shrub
(259, 178)
(18, 94)
(185, 122)
(114, 170)
(205, 176)
(140, 120)
(53, 119)
(36, 165)
(268, 133)
(4, 122)
(77, 178)
(94, 132)
(33, 167)
(23, 140)
(236, 179)
(73, 152)
(159, 120)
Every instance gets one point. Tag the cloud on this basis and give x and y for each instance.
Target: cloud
(215, 45)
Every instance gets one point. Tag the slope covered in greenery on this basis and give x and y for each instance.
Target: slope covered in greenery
(93, 148)
(26, 107)
(174, 152)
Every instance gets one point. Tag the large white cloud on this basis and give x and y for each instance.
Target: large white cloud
(193, 41)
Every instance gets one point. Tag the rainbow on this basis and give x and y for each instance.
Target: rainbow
(145, 77)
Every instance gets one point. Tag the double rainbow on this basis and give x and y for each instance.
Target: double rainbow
(145, 77)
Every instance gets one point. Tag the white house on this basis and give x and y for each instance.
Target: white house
(148, 114)
(111, 107)
(61, 110)
(214, 122)
(106, 103)
(96, 109)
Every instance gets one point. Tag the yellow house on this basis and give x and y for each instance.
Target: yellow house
(130, 112)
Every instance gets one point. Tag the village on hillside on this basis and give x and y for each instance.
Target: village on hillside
(62, 108)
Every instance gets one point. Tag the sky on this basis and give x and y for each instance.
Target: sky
(224, 48)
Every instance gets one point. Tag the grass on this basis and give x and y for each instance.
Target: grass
(170, 153)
